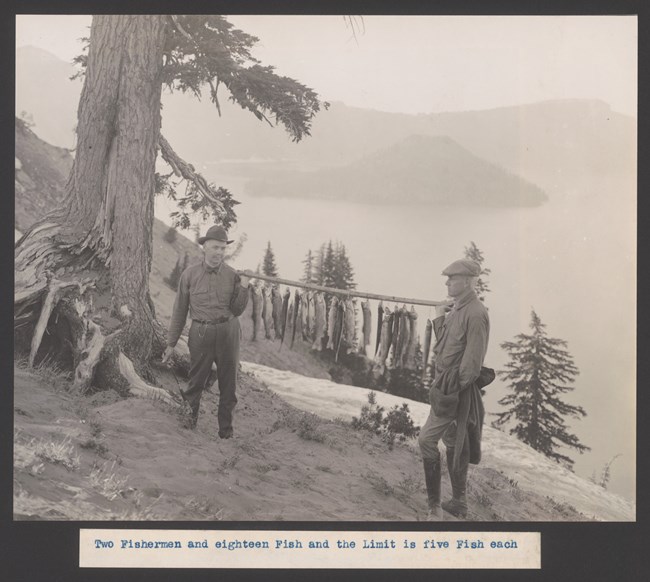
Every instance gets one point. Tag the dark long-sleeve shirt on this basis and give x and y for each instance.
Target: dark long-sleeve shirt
(209, 294)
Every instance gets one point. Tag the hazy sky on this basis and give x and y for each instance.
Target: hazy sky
(424, 64)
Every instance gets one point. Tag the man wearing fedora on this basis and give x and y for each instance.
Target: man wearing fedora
(215, 296)
(457, 410)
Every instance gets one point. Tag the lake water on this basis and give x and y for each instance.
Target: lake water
(573, 260)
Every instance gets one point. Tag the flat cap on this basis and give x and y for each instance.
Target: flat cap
(464, 267)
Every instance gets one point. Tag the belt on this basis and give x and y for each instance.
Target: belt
(223, 319)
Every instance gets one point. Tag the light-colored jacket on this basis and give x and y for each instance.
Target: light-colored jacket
(462, 339)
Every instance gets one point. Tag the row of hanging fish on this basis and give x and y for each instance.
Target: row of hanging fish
(308, 318)
(397, 337)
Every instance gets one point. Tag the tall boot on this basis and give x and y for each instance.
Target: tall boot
(432, 479)
(457, 505)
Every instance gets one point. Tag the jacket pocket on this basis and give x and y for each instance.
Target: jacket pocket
(444, 405)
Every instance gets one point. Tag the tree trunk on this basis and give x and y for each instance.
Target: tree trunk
(94, 253)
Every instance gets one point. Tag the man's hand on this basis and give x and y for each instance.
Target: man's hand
(245, 277)
(167, 354)
(441, 310)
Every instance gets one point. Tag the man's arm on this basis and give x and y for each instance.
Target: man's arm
(179, 314)
(239, 298)
(478, 330)
(439, 320)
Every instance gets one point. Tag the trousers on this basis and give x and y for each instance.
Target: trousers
(219, 344)
(434, 429)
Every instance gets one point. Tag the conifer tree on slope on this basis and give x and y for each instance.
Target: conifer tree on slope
(269, 267)
(343, 273)
(473, 253)
(88, 262)
(319, 266)
(329, 265)
(540, 370)
(308, 271)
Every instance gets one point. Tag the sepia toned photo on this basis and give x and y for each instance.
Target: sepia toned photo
(321, 268)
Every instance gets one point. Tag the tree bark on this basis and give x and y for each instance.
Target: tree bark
(102, 234)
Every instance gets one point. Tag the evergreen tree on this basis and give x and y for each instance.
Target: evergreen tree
(328, 269)
(343, 274)
(319, 278)
(102, 231)
(473, 253)
(269, 268)
(308, 275)
(539, 371)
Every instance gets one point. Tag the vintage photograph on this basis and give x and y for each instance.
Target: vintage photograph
(360, 268)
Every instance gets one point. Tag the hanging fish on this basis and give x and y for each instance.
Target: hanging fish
(393, 353)
(277, 311)
(385, 341)
(366, 328)
(405, 335)
(395, 335)
(331, 321)
(267, 311)
(263, 291)
(350, 325)
(297, 301)
(311, 315)
(409, 360)
(304, 306)
(380, 314)
(320, 323)
(339, 325)
(285, 314)
(425, 350)
(257, 310)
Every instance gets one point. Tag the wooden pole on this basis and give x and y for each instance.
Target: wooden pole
(333, 291)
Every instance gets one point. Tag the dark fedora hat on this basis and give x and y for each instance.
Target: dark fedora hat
(215, 233)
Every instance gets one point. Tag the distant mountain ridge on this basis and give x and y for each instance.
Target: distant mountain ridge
(419, 169)
(552, 144)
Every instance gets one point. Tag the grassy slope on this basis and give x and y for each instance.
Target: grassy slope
(104, 458)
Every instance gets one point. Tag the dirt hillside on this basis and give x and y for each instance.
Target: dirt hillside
(106, 457)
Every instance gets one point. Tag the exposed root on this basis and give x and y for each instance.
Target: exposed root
(89, 345)
(138, 386)
(54, 293)
(30, 295)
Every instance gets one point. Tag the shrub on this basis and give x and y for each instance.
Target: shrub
(170, 235)
(397, 424)
(307, 425)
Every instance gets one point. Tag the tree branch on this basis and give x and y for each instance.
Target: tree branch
(184, 170)
(180, 28)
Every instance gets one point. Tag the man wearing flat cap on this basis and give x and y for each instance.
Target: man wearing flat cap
(215, 296)
(457, 410)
